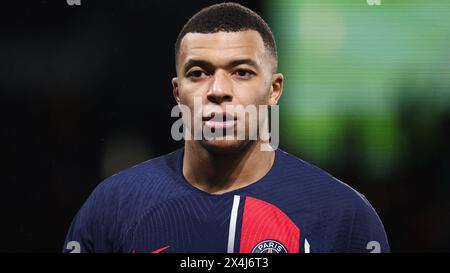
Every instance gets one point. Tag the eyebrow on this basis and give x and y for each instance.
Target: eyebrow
(208, 65)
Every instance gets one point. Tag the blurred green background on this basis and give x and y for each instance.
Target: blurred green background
(367, 97)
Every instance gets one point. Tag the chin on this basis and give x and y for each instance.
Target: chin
(225, 146)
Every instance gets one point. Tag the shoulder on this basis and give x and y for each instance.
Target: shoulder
(333, 206)
(150, 174)
(318, 186)
(118, 201)
(128, 193)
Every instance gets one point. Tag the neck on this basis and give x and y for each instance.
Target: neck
(219, 173)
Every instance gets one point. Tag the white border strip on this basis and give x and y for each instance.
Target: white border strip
(233, 219)
(307, 246)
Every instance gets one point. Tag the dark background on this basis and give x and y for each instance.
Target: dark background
(86, 91)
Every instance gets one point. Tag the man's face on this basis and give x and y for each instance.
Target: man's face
(224, 69)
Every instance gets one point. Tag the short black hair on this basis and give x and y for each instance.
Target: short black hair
(228, 17)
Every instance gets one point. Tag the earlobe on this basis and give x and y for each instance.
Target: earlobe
(175, 90)
(276, 88)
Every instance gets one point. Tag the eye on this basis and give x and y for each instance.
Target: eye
(195, 74)
(244, 73)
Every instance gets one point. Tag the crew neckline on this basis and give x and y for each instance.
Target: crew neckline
(255, 185)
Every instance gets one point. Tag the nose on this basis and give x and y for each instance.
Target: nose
(220, 89)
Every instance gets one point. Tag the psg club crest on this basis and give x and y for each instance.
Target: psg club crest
(269, 246)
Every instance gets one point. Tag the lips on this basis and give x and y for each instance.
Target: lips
(219, 120)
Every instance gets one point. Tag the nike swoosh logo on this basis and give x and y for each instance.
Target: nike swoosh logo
(160, 249)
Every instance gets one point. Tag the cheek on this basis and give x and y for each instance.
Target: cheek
(185, 98)
(267, 91)
(186, 95)
(188, 98)
(188, 91)
(257, 94)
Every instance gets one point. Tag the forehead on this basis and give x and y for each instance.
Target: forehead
(222, 46)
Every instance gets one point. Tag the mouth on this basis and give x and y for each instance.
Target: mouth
(219, 120)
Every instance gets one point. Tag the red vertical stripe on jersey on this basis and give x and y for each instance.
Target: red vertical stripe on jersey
(264, 221)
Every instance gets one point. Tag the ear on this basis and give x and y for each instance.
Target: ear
(276, 89)
(175, 90)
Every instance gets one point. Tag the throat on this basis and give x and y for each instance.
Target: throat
(222, 173)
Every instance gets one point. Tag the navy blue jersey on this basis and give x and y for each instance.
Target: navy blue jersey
(295, 208)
